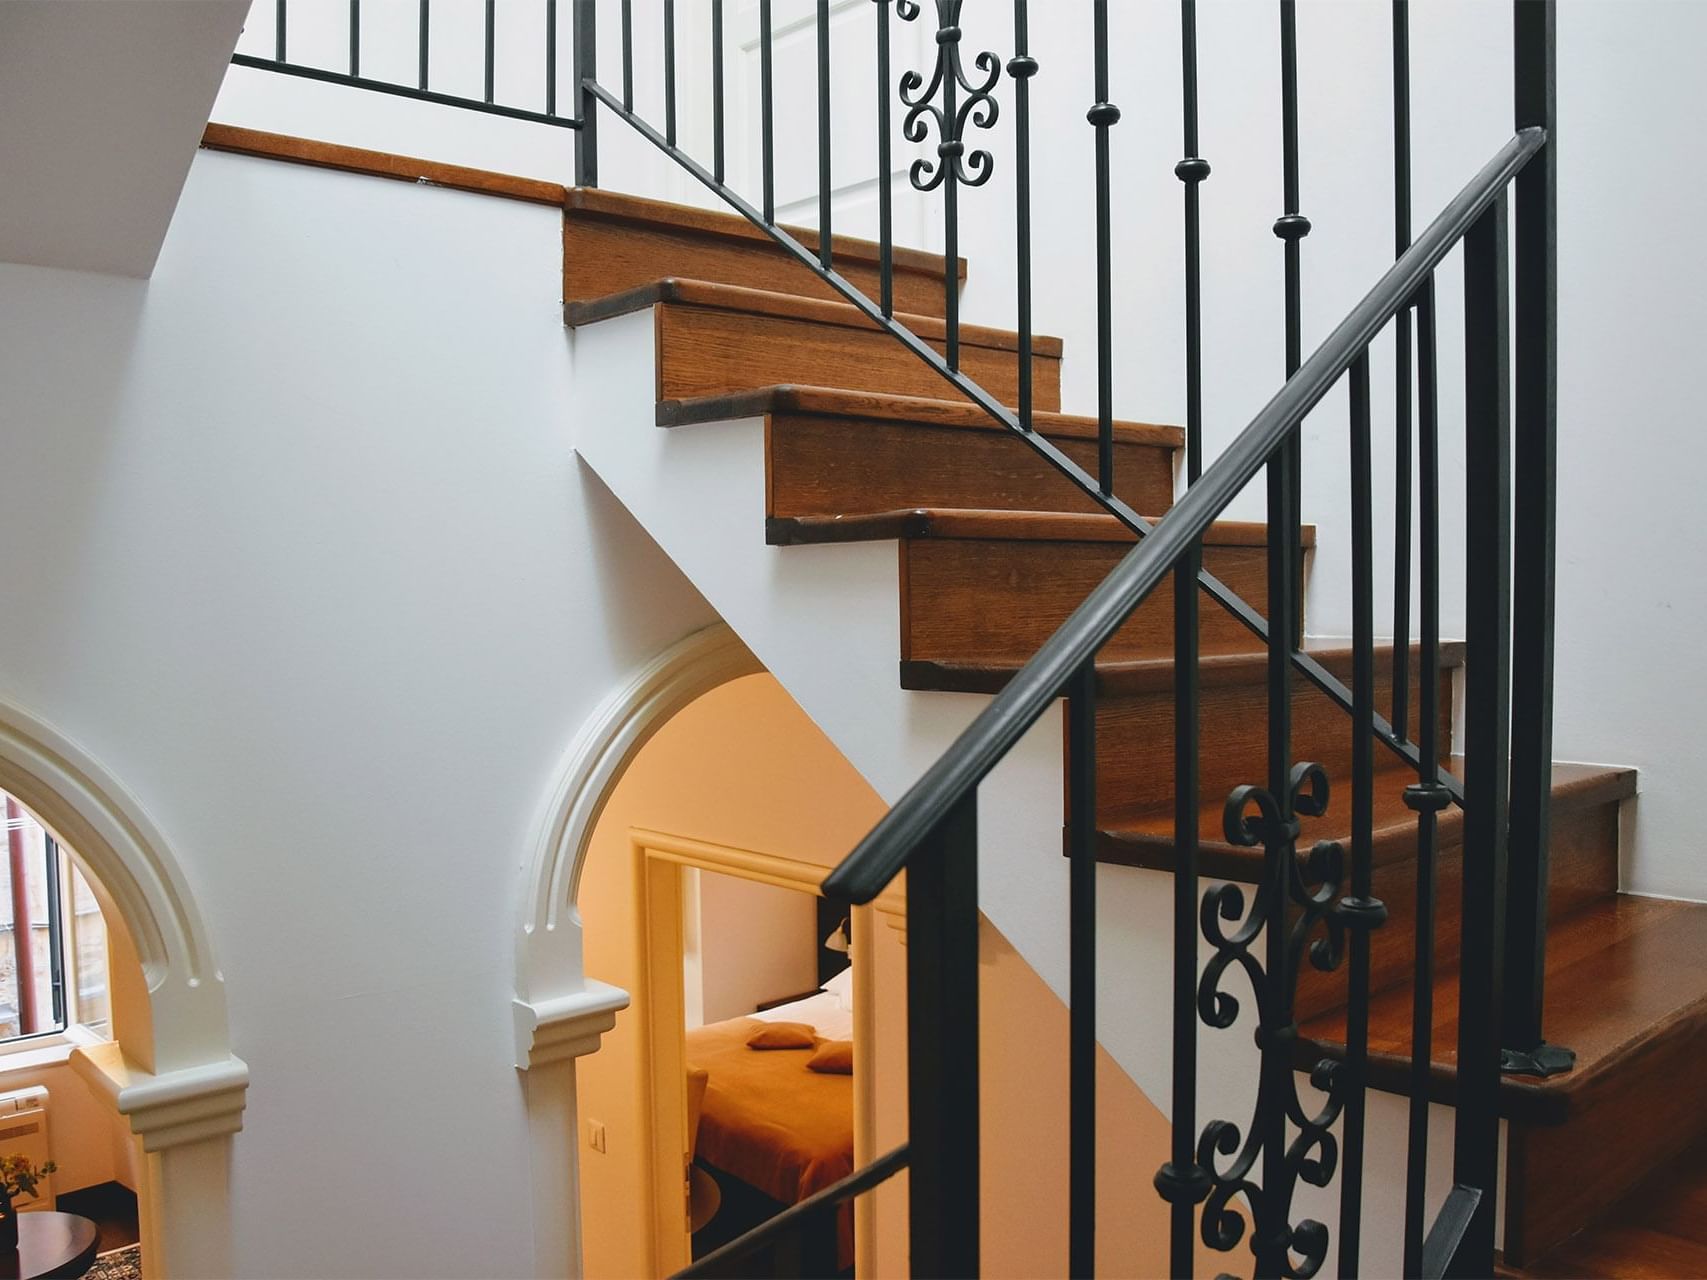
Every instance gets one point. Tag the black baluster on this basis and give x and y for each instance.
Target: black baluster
(825, 254)
(628, 55)
(1361, 911)
(355, 37)
(1285, 591)
(280, 21)
(1487, 469)
(1081, 931)
(1427, 797)
(1402, 377)
(491, 48)
(1181, 1181)
(948, 39)
(423, 29)
(767, 112)
(1292, 226)
(550, 57)
(1103, 115)
(1022, 67)
(885, 162)
(1269, 1239)
(717, 170)
(942, 1041)
(670, 72)
(1191, 171)
(584, 69)
(1535, 377)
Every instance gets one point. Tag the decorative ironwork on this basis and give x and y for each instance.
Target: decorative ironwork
(970, 168)
(1309, 884)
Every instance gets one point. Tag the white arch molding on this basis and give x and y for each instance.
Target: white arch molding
(559, 1013)
(174, 1078)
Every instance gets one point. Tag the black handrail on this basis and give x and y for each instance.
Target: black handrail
(878, 858)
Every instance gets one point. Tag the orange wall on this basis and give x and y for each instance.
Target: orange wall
(744, 766)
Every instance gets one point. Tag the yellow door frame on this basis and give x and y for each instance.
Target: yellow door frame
(659, 860)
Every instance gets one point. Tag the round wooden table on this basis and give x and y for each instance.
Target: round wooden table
(50, 1244)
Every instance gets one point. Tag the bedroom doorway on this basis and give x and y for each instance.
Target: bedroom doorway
(738, 1132)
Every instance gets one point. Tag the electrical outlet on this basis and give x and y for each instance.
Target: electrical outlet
(596, 1135)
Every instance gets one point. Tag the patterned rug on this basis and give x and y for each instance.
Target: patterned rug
(120, 1264)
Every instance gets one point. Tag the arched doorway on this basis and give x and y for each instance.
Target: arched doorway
(170, 1072)
(559, 1013)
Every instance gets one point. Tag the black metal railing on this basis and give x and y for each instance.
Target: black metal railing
(931, 831)
(351, 75)
(1225, 1181)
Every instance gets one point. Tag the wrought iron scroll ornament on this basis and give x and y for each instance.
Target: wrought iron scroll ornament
(948, 80)
(1253, 818)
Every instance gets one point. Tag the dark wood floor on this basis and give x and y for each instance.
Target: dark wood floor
(111, 1207)
(1659, 1231)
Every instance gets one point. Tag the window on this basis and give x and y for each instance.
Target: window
(53, 941)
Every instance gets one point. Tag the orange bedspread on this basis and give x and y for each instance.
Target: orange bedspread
(768, 1120)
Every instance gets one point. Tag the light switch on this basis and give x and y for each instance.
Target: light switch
(596, 1135)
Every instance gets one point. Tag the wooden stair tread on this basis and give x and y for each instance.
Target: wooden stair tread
(1014, 526)
(1622, 974)
(692, 218)
(1145, 838)
(712, 295)
(1659, 1230)
(1154, 675)
(836, 402)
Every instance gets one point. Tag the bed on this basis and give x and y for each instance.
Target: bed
(766, 1119)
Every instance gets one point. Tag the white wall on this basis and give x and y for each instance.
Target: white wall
(300, 550)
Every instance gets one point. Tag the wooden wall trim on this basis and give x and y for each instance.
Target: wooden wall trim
(380, 164)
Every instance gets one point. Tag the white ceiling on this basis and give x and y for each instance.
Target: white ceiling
(102, 103)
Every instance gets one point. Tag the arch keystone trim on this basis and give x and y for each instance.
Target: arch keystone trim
(567, 1027)
(171, 1110)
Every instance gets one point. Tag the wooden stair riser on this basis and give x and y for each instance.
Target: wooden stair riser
(606, 253)
(820, 465)
(1135, 739)
(709, 351)
(1623, 1122)
(1561, 1177)
(1582, 866)
(993, 601)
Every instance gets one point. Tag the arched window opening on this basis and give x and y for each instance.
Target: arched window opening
(53, 939)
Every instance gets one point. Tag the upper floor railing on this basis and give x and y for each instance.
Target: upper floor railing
(1226, 1181)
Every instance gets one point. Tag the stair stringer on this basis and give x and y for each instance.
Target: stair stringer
(824, 619)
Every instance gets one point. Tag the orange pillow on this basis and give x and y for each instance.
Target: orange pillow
(834, 1057)
(782, 1035)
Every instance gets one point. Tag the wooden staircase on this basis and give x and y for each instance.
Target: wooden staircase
(995, 549)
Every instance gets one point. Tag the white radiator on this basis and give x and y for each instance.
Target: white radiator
(23, 1132)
